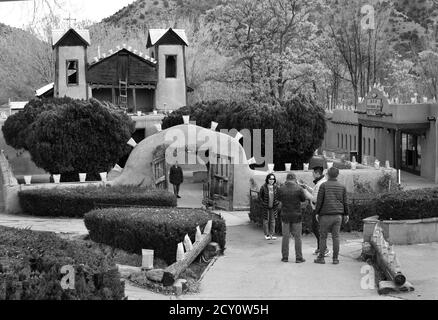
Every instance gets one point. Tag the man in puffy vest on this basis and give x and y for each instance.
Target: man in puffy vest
(331, 209)
(176, 178)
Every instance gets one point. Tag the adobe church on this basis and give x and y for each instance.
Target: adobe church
(136, 81)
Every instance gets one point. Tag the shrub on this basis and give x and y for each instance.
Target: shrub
(299, 124)
(69, 136)
(160, 229)
(407, 205)
(75, 202)
(30, 264)
(361, 206)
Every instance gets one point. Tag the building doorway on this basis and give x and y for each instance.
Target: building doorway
(411, 153)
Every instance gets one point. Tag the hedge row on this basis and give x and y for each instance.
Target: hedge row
(361, 206)
(75, 202)
(30, 264)
(408, 205)
(160, 229)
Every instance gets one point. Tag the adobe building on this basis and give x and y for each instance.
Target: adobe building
(140, 82)
(403, 134)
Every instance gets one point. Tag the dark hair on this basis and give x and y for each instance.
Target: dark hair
(291, 176)
(268, 176)
(333, 172)
(319, 170)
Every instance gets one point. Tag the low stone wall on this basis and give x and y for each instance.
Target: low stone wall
(10, 186)
(403, 232)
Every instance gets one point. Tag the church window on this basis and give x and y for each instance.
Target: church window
(170, 66)
(72, 72)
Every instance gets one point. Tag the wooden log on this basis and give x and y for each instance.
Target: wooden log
(391, 270)
(172, 272)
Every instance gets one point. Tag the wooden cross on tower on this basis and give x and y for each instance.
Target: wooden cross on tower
(69, 19)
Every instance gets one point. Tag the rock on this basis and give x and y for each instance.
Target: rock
(126, 271)
(155, 275)
(179, 286)
(387, 287)
(211, 250)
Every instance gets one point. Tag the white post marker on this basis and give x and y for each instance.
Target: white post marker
(180, 252)
(288, 166)
(207, 228)
(132, 143)
(305, 166)
(27, 179)
(147, 261)
(271, 167)
(377, 164)
(56, 178)
(186, 119)
(198, 234)
(158, 126)
(117, 168)
(387, 165)
(213, 125)
(188, 245)
(82, 177)
(103, 176)
(238, 136)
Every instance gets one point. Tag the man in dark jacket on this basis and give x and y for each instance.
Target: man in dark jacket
(291, 194)
(176, 178)
(331, 209)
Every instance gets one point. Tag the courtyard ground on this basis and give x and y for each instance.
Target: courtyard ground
(251, 267)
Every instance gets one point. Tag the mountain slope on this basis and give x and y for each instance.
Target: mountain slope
(24, 62)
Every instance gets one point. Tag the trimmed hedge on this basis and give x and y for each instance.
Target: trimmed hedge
(30, 264)
(75, 202)
(361, 206)
(408, 205)
(160, 229)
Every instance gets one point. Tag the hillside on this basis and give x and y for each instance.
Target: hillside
(159, 13)
(23, 64)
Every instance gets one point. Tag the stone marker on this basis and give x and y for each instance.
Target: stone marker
(126, 271)
(155, 275)
(179, 286)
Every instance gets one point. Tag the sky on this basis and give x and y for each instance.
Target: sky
(23, 12)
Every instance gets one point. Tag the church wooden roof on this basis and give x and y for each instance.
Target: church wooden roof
(120, 65)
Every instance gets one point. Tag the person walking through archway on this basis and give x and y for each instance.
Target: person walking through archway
(176, 178)
(268, 196)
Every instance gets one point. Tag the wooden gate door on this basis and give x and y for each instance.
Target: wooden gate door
(160, 170)
(221, 183)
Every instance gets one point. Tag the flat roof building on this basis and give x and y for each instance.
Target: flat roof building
(404, 134)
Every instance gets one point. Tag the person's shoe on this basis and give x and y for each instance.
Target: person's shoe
(273, 238)
(301, 260)
(267, 238)
(335, 261)
(316, 252)
(284, 259)
(319, 260)
(178, 197)
(327, 253)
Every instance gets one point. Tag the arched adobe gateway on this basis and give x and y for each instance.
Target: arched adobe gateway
(229, 172)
